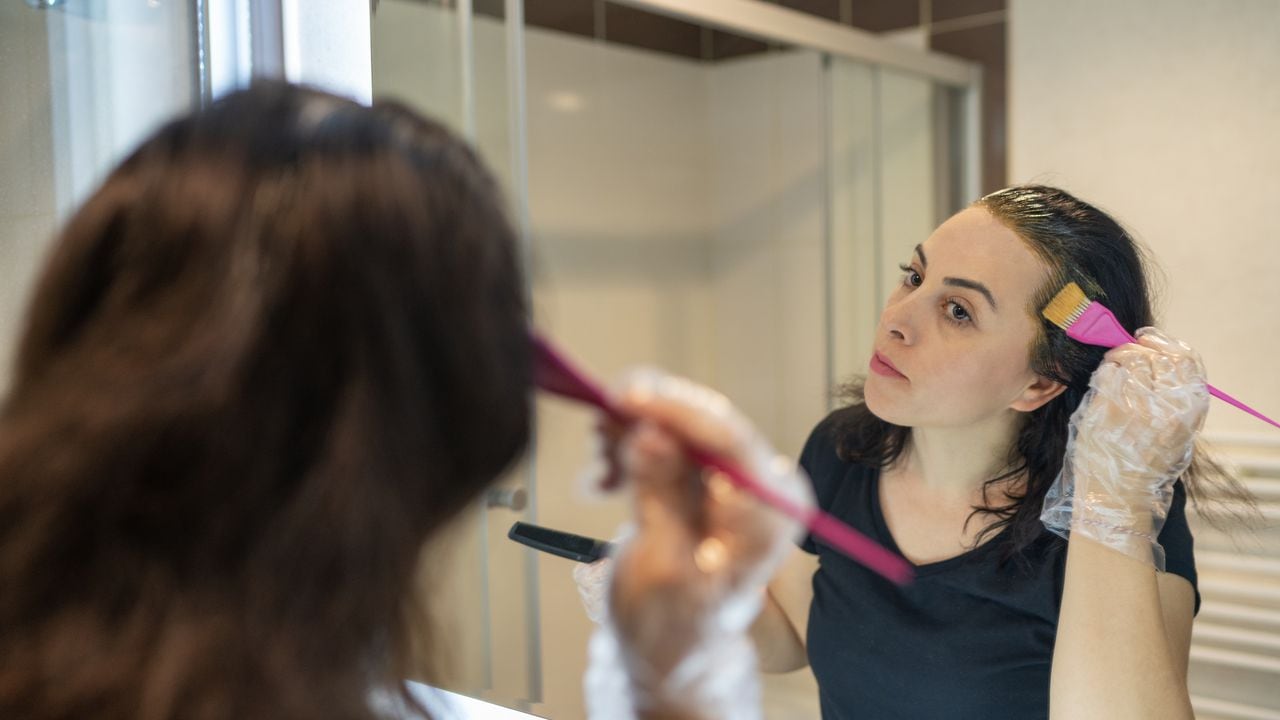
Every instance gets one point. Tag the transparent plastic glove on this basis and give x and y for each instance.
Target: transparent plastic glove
(690, 579)
(593, 581)
(1129, 441)
(593, 587)
(601, 475)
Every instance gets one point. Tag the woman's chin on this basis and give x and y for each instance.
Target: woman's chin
(880, 406)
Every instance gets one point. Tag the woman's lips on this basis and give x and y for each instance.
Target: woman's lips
(881, 366)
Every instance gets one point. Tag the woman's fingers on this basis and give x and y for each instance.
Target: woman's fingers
(609, 434)
(664, 480)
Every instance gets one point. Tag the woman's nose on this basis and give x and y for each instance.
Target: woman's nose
(896, 321)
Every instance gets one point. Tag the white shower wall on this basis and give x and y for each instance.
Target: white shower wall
(767, 165)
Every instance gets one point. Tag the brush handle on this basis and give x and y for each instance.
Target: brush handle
(1098, 326)
(1227, 398)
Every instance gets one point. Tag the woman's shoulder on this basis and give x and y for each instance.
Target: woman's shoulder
(821, 457)
(821, 446)
(843, 429)
(839, 485)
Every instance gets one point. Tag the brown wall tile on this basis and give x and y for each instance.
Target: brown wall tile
(882, 15)
(827, 9)
(570, 16)
(628, 26)
(953, 9)
(576, 17)
(727, 45)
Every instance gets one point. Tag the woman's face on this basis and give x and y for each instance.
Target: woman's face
(953, 345)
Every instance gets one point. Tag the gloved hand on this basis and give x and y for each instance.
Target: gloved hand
(593, 587)
(1129, 441)
(689, 580)
(601, 476)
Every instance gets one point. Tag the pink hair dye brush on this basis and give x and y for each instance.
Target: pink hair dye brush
(555, 374)
(1091, 323)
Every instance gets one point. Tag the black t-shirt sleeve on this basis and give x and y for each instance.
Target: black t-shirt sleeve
(1175, 538)
(823, 466)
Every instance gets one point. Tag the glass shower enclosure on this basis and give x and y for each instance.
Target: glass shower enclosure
(720, 189)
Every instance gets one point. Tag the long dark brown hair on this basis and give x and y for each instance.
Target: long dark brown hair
(1078, 243)
(283, 343)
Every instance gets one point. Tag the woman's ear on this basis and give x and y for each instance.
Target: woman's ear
(1039, 392)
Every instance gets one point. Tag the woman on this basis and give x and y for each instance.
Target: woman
(282, 345)
(961, 429)
(973, 407)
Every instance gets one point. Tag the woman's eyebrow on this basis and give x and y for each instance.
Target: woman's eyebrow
(960, 282)
(972, 285)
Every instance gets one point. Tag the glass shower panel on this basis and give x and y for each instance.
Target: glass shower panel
(676, 207)
(907, 169)
(854, 216)
(452, 66)
(619, 212)
(895, 175)
(949, 164)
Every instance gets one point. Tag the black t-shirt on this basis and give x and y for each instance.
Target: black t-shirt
(971, 637)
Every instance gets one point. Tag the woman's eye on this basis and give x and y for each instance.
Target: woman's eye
(956, 312)
(910, 276)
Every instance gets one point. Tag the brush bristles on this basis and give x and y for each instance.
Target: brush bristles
(1066, 307)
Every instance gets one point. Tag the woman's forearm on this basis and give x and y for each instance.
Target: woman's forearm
(777, 644)
(1113, 658)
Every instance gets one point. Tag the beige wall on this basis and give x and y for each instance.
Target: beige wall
(1165, 113)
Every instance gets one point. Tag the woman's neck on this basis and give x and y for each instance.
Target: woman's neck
(958, 461)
